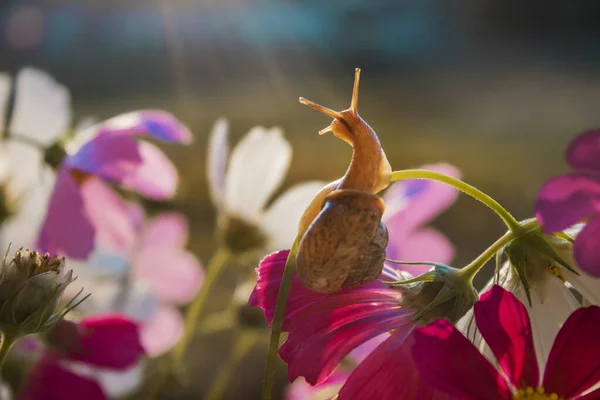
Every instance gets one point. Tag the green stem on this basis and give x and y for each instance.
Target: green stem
(6, 343)
(215, 266)
(276, 325)
(472, 191)
(243, 345)
(473, 268)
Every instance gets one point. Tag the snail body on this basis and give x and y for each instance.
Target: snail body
(342, 237)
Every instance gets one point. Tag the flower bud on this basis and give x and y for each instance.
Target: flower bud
(31, 288)
(443, 292)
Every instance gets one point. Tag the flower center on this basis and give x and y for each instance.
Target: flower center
(535, 394)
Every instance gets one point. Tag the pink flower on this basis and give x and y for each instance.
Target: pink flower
(107, 341)
(323, 329)
(448, 360)
(567, 199)
(83, 209)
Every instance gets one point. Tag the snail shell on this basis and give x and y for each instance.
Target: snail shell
(345, 245)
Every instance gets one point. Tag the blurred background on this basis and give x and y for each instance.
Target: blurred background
(497, 88)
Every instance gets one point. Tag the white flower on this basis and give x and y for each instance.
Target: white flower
(555, 293)
(241, 189)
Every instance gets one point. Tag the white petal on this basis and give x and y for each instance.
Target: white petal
(4, 97)
(280, 221)
(257, 167)
(120, 383)
(218, 150)
(42, 107)
(586, 285)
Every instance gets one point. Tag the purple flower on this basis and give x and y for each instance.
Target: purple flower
(83, 209)
(567, 199)
(105, 341)
(448, 361)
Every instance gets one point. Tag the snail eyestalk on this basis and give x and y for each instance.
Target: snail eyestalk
(354, 102)
(322, 109)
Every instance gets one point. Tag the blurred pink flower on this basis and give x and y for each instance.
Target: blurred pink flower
(105, 341)
(448, 360)
(567, 199)
(83, 209)
(409, 205)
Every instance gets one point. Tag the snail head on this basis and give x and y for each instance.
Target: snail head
(345, 123)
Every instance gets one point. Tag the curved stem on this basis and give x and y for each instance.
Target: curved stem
(215, 266)
(242, 346)
(473, 268)
(276, 325)
(6, 343)
(472, 191)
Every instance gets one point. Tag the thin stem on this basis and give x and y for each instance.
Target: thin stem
(473, 268)
(243, 345)
(276, 325)
(215, 266)
(472, 191)
(6, 343)
(28, 141)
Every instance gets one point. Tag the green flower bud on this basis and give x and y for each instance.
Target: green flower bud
(31, 288)
(442, 292)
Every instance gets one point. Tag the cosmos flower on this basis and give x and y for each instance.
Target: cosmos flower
(65, 371)
(241, 186)
(448, 361)
(570, 198)
(409, 205)
(82, 208)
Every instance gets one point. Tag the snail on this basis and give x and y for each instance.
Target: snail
(342, 239)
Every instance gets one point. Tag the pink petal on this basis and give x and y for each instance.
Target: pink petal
(389, 373)
(108, 341)
(302, 390)
(49, 381)
(412, 203)
(162, 332)
(324, 328)
(574, 362)
(584, 151)
(586, 247)
(173, 276)
(567, 199)
(159, 124)
(449, 362)
(504, 324)
(422, 245)
(595, 395)
(133, 164)
(167, 230)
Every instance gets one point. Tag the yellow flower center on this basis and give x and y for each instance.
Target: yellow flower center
(535, 394)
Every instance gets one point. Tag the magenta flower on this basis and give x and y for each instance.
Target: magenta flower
(567, 199)
(108, 341)
(83, 209)
(449, 361)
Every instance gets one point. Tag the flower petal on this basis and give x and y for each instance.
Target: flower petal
(302, 390)
(280, 220)
(574, 362)
(257, 167)
(118, 384)
(42, 109)
(389, 373)
(133, 164)
(218, 150)
(81, 215)
(324, 328)
(504, 323)
(586, 247)
(412, 203)
(49, 381)
(162, 332)
(584, 151)
(109, 341)
(167, 230)
(449, 362)
(426, 244)
(173, 276)
(567, 199)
